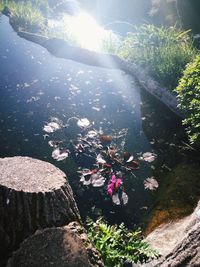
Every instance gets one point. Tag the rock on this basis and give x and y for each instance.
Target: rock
(186, 253)
(178, 242)
(91, 250)
(6, 11)
(33, 194)
(56, 247)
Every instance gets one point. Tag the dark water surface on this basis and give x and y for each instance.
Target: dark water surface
(34, 85)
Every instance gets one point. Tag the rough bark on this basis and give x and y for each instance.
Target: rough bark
(33, 194)
(59, 247)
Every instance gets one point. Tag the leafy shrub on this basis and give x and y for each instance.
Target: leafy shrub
(164, 51)
(188, 92)
(117, 244)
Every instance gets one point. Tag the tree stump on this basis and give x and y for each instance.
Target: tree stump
(57, 247)
(33, 194)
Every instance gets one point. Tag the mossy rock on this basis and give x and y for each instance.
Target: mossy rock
(177, 196)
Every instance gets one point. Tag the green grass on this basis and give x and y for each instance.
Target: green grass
(26, 15)
(118, 245)
(163, 51)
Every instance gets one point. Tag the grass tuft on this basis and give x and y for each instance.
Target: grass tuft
(164, 51)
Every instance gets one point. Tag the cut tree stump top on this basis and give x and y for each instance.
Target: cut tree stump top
(30, 175)
(33, 195)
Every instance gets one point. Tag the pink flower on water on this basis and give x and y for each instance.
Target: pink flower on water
(114, 184)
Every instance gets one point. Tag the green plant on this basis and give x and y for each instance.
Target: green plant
(164, 51)
(111, 42)
(27, 16)
(117, 244)
(188, 94)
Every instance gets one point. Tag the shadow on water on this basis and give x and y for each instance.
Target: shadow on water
(36, 86)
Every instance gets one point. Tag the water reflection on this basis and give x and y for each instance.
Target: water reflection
(36, 86)
(84, 31)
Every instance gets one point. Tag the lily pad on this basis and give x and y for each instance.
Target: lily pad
(151, 183)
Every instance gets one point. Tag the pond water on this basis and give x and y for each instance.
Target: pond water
(36, 86)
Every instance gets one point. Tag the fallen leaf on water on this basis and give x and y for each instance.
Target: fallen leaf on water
(105, 138)
(130, 159)
(84, 181)
(83, 123)
(124, 198)
(126, 155)
(59, 154)
(100, 159)
(91, 134)
(53, 143)
(115, 199)
(151, 183)
(149, 157)
(133, 165)
(97, 180)
(51, 127)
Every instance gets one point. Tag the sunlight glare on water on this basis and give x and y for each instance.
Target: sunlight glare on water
(85, 30)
